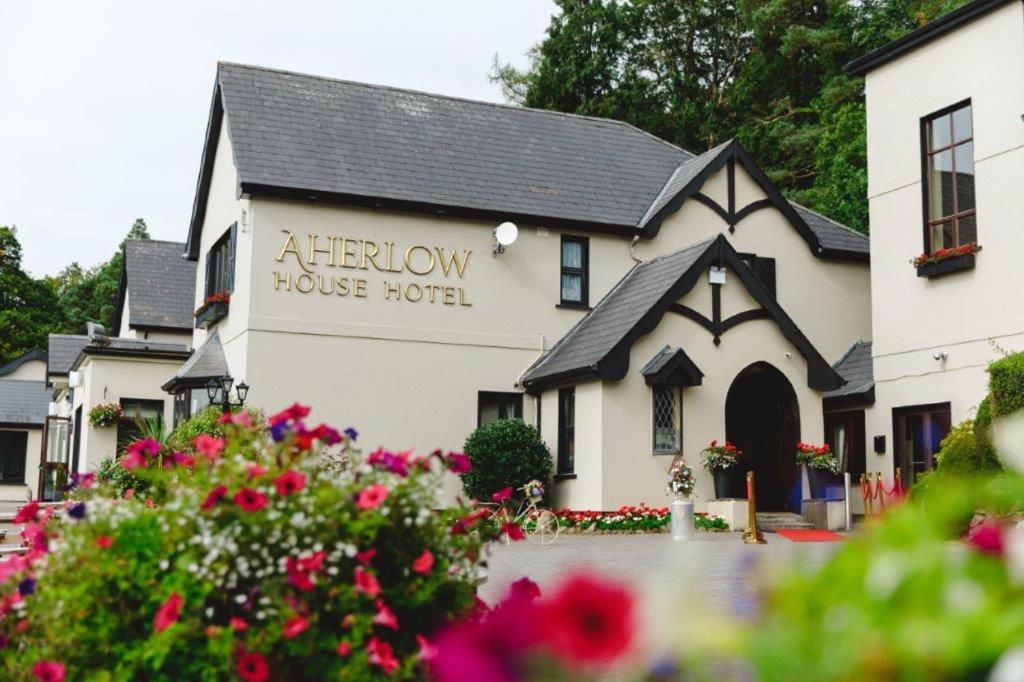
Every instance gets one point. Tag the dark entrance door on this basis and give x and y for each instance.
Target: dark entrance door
(762, 419)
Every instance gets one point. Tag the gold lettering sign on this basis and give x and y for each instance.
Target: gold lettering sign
(353, 253)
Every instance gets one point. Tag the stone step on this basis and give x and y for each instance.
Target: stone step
(773, 521)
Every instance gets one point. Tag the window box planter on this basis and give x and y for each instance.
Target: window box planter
(946, 266)
(209, 315)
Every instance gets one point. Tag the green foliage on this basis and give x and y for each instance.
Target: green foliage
(505, 453)
(909, 604)
(117, 481)
(1006, 385)
(959, 453)
(207, 421)
(983, 432)
(28, 307)
(105, 415)
(260, 557)
(768, 72)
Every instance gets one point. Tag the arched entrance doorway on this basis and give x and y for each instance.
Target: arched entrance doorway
(762, 419)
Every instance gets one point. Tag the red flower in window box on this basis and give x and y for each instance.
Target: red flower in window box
(219, 297)
(944, 254)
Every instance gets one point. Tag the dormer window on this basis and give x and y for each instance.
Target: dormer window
(948, 163)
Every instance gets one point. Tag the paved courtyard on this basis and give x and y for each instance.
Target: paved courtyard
(715, 570)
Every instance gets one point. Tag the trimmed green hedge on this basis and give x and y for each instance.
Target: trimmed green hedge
(507, 453)
(1006, 385)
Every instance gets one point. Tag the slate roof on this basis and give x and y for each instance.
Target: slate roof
(856, 367)
(34, 354)
(160, 285)
(833, 235)
(206, 362)
(297, 136)
(117, 345)
(594, 336)
(660, 359)
(63, 349)
(23, 402)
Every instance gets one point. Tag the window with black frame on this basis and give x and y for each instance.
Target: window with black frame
(665, 405)
(948, 164)
(492, 406)
(220, 264)
(13, 451)
(566, 431)
(574, 271)
(139, 417)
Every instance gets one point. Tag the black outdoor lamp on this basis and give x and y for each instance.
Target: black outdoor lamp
(221, 386)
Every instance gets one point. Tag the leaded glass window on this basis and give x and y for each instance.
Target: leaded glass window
(666, 419)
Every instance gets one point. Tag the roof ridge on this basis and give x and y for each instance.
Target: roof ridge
(395, 88)
(152, 241)
(846, 354)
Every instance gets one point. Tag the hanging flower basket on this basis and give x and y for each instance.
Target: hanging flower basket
(105, 415)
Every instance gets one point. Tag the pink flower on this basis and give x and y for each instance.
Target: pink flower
(301, 581)
(168, 613)
(987, 537)
(588, 620)
(525, 589)
(256, 470)
(49, 671)
(380, 653)
(295, 627)
(208, 446)
(372, 496)
(427, 650)
(252, 667)
(458, 463)
(27, 513)
(502, 495)
(184, 460)
(366, 583)
(344, 648)
(242, 419)
(423, 563)
(290, 482)
(294, 413)
(313, 562)
(385, 617)
(133, 460)
(251, 500)
(147, 447)
(365, 557)
(104, 541)
(238, 624)
(214, 497)
(85, 481)
(513, 530)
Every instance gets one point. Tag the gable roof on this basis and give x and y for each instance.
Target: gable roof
(933, 29)
(857, 369)
(36, 354)
(63, 349)
(598, 346)
(23, 403)
(312, 138)
(159, 285)
(204, 364)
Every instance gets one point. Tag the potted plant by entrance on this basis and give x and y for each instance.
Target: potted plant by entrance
(822, 467)
(680, 486)
(720, 460)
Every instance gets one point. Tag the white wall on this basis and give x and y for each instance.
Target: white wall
(959, 314)
(33, 370)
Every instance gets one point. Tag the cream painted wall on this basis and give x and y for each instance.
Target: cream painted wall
(628, 471)
(829, 300)
(109, 379)
(33, 370)
(916, 318)
(22, 493)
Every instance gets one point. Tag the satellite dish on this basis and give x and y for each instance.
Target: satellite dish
(506, 234)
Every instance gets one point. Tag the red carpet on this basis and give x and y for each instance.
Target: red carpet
(810, 535)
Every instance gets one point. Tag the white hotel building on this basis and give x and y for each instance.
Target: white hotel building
(654, 299)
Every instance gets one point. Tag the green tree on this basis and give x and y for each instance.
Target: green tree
(768, 72)
(29, 308)
(91, 295)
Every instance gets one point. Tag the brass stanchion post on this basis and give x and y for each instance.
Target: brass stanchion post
(867, 495)
(880, 491)
(752, 536)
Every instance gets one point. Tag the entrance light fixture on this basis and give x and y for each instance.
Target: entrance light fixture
(218, 390)
(504, 235)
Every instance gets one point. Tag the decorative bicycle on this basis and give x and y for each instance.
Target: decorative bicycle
(539, 523)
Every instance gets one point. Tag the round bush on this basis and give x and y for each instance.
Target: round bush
(507, 453)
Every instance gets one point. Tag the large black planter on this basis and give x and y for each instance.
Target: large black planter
(723, 481)
(947, 266)
(825, 485)
(213, 313)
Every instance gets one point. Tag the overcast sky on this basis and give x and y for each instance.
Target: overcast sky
(103, 104)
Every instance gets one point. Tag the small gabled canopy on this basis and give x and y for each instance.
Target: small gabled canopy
(598, 346)
(672, 367)
(857, 369)
(206, 363)
(37, 354)
(158, 284)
